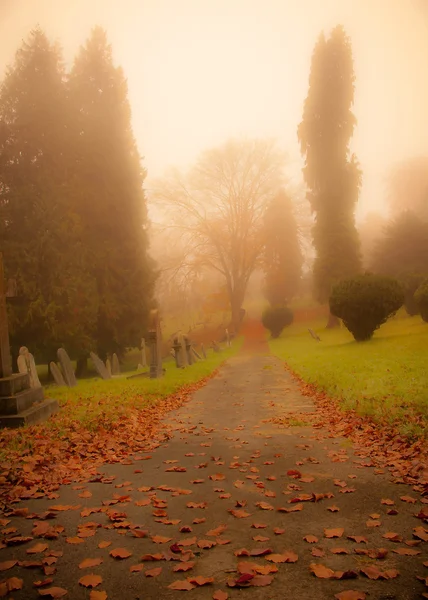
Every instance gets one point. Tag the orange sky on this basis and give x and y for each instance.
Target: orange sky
(200, 71)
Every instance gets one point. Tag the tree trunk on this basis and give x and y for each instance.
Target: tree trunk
(332, 322)
(81, 366)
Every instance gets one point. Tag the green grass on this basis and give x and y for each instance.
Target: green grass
(386, 377)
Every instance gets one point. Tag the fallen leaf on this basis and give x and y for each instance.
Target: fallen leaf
(97, 595)
(321, 571)
(7, 564)
(182, 585)
(90, 580)
(90, 562)
(120, 553)
(184, 566)
(220, 595)
(153, 572)
(334, 533)
(74, 540)
(407, 551)
(200, 581)
(408, 499)
(239, 514)
(350, 595)
(136, 568)
(261, 580)
(311, 539)
(159, 539)
(53, 592)
(284, 557)
(104, 544)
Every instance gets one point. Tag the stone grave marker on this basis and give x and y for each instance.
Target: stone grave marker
(177, 353)
(227, 338)
(19, 403)
(56, 374)
(26, 364)
(115, 366)
(314, 335)
(143, 353)
(189, 353)
(67, 367)
(155, 338)
(183, 354)
(99, 366)
(204, 354)
(216, 347)
(108, 366)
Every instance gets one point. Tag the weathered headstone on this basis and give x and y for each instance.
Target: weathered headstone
(189, 354)
(108, 366)
(26, 364)
(143, 353)
(155, 338)
(227, 338)
(195, 353)
(183, 354)
(19, 404)
(99, 366)
(204, 354)
(314, 335)
(67, 368)
(56, 374)
(177, 353)
(115, 366)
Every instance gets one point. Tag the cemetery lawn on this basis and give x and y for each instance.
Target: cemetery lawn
(385, 378)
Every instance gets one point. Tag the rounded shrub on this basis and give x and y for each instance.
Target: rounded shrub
(275, 318)
(421, 297)
(411, 282)
(365, 302)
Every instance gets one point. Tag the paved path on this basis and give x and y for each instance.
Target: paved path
(225, 451)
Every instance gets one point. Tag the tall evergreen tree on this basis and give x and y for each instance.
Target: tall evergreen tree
(282, 260)
(108, 175)
(38, 234)
(332, 175)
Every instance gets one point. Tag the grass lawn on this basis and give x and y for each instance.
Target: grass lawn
(386, 377)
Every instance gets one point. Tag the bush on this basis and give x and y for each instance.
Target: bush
(275, 318)
(365, 302)
(421, 297)
(411, 282)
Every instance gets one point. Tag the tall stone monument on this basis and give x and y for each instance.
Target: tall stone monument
(155, 338)
(19, 403)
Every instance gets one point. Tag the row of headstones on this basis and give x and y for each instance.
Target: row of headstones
(185, 353)
(63, 373)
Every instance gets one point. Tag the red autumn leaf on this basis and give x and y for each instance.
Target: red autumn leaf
(120, 553)
(206, 544)
(284, 557)
(90, 562)
(200, 581)
(225, 496)
(408, 499)
(294, 473)
(220, 595)
(259, 525)
(295, 508)
(185, 529)
(260, 538)
(217, 477)
(182, 585)
(359, 539)
(311, 539)
(261, 580)
(339, 551)
(242, 581)
(373, 523)
(217, 531)
(392, 537)
(7, 564)
(85, 494)
(421, 533)
(195, 481)
(387, 501)
(90, 580)
(148, 557)
(333, 508)
(278, 530)
(239, 514)
(196, 504)
(265, 506)
(18, 540)
(198, 521)
(74, 540)
(159, 539)
(321, 571)
(97, 595)
(153, 572)
(317, 552)
(184, 566)
(375, 516)
(136, 568)
(53, 592)
(187, 541)
(104, 544)
(42, 583)
(260, 551)
(350, 595)
(407, 551)
(334, 533)
(144, 502)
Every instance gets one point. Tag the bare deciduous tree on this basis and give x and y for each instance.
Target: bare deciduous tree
(218, 207)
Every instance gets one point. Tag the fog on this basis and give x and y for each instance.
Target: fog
(201, 71)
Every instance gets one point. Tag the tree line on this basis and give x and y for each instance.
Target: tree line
(73, 218)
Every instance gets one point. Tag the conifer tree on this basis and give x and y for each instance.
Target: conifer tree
(331, 173)
(110, 201)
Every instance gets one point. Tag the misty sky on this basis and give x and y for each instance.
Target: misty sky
(201, 71)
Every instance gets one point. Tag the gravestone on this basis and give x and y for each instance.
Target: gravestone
(195, 353)
(56, 374)
(115, 366)
(67, 368)
(177, 353)
(204, 354)
(19, 403)
(183, 354)
(155, 339)
(227, 338)
(188, 347)
(216, 347)
(108, 366)
(143, 353)
(99, 366)
(314, 335)
(26, 364)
